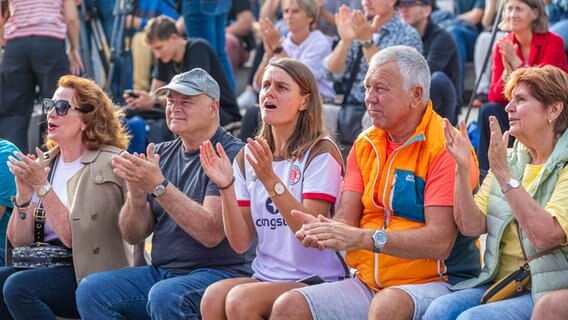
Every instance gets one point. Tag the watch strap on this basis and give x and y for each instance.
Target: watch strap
(164, 184)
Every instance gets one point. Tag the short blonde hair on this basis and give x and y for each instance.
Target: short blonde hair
(102, 124)
(548, 85)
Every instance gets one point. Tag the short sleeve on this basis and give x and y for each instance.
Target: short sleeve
(556, 206)
(353, 176)
(323, 179)
(241, 191)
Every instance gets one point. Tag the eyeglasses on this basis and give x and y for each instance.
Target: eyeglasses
(61, 107)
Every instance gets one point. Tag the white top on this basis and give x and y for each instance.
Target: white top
(279, 254)
(63, 172)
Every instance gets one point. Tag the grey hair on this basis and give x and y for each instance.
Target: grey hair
(413, 67)
(310, 7)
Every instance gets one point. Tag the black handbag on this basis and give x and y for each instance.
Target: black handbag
(51, 254)
(350, 115)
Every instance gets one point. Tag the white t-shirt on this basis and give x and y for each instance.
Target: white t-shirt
(279, 254)
(63, 172)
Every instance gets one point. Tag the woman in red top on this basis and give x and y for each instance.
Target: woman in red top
(528, 43)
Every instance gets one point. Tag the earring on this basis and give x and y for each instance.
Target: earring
(549, 121)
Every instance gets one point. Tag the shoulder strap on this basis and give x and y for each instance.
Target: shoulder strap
(538, 255)
(39, 212)
(353, 74)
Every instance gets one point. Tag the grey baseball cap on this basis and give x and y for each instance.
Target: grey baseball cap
(192, 83)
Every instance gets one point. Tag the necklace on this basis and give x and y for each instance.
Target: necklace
(177, 66)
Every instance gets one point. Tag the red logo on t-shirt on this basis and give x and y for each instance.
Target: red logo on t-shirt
(295, 175)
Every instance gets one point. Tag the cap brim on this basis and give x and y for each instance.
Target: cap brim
(185, 90)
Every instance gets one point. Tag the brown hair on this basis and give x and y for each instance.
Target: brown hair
(102, 124)
(539, 25)
(160, 28)
(309, 127)
(548, 85)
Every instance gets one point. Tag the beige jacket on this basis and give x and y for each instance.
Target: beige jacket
(96, 196)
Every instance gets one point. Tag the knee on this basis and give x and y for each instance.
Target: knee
(89, 289)
(13, 288)
(282, 310)
(437, 310)
(213, 301)
(553, 303)
(391, 301)
(237, 304)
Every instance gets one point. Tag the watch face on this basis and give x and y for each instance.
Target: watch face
(514, 183)
(159, 190)
(380, 237)
(279, 188)
(43, 190)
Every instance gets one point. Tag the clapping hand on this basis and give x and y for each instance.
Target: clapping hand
(457, 143)
(30, 171)
(217, 167)
(141, 172)
(497, 153)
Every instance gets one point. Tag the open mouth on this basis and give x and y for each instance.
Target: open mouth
(51, 126)
(269, 105)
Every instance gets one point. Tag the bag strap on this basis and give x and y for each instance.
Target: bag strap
(538, 255)
(39, 211)
(353, 75)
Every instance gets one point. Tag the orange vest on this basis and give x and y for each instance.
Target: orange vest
(394, 190)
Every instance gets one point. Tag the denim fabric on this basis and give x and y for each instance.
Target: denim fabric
(464, 305)
(561, 29)
(444, 97)
(465, 36)
(38, 293)
(487, 110)
(136, 126)
(145, 292)
(210, 25)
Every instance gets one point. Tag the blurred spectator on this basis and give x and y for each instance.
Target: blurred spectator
(442, 55)
(142, 58)
(207, 19)
(34, 55)
(362, 35)
(303, 43)
(528, 43)
(176, 55)
(327, 11)
(239, 40)
(7, 190)
(558, 18)
(464, 27)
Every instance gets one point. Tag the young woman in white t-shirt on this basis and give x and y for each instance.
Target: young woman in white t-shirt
(290, 165)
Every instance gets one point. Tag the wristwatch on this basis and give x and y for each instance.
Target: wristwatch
(511, 184)
(278, 190)
(43, 190)
(379, 240)
(160, 189)
(277, 50)
(367, 43)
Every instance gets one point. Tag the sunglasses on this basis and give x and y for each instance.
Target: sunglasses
(61, 107)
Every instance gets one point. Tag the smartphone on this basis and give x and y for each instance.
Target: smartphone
(311, 280)
(131, 93)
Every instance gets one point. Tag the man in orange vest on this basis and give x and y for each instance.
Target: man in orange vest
(395, 217)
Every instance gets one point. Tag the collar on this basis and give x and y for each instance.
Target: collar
(88, 156)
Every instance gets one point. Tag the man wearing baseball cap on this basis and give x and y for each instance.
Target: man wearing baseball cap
(171, 196)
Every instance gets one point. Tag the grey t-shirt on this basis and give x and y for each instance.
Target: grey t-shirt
(172, 247)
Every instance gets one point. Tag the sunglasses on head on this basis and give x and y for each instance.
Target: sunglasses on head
(61, 107)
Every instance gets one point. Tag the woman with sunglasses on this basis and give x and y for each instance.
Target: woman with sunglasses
(73, 183)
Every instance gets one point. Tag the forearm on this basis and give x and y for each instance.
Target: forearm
(72, 22)
(473, 16)
(540, 226)
(20, 232)
(470, 221)
(243, 25)
(237, 230)
(336, 61)
(268, 9)
(58, 217)
(135, 219)
(204, 222)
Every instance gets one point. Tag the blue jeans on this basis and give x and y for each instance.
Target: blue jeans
(444, 96)
(211, 27)
(136, 126)
(38, 293)
(465, 36)
(144, 292)
(464, 305)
